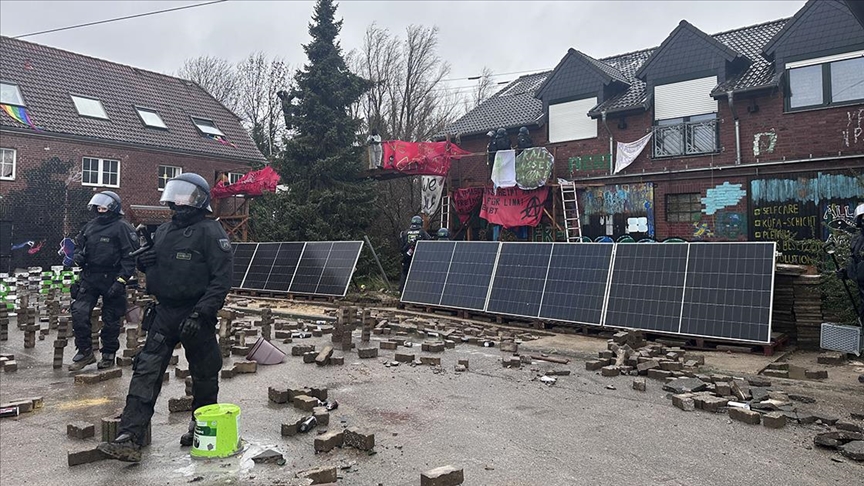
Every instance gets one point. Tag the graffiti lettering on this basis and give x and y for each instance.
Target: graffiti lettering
(853, 127)
(532, 209)
(589, 162)
(765, 146)
(701, 230)
(533, 167)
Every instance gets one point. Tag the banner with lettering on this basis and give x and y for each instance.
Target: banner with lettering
(431, 191)
(627, 152)
(465, 201)
(420, 158)
(512, 207)
(533, 167)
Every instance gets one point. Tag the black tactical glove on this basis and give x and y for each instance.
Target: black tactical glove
(190, 327)
(147, 259)
(117, 288)
(79, 260)
(74, 289)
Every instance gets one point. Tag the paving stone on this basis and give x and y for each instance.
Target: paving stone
(367, 353)
(359, 439)
(320, 475)
(722, 388)
(644, 366)
(460, 368)
(709, 403)
(684, 401)
(759, 381)
(853, 450)
(774, 420)
(671, 365)
(442, 476)
(430, 360)
(658, 374)
(269, 457)
(758, 394)
(802, 398)
(328, 441)
(301, 349)
(291, 428)
(277, 395)
(91, 378)
(849, 427)
(435, 347)
(319, 393)
(321, 415)
(816, 374)
(464, 362)
(639, 384)
(182, 404)
(744, 415)
(594, 365)
(404, 357)
(685, 385)
(835, 439)
(832, 358)
(390, 345)
(721, 378)
(84, 457)
(124, 361)
(741, 389)
(305, 403)
(80, 430)
(826, 418)
(310, 357)
(323, 357)
(610, 371)
(246, 367)
(337, 360)
(227, 373)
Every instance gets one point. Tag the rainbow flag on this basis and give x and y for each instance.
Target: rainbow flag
(19, 113)
(221, 140)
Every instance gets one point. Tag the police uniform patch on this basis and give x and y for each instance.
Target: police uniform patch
(224, 244)
(104, 239)
(184, 256)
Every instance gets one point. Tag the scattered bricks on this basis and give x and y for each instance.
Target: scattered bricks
(848, 426)
(774, 420)
(460, 368)
(38, 402)
(323, 358)
(227, 373)
(269, 457)
(337, 360)
(685, 385)
(109, 428)
(329, 441)
(744, 415)
(853, 450)
(558, 373)
(10, 365)
(165, 377)
(759, 381)
(174, 359)
(91, 378)
(639, 384)
(310, 357)
(388, 345)
(610, 371)
(124, 361)
(246, 367)
(606, 355)
(647, 365)
(721, 378)
(404, 357)
(276, 395)
(85, 457)
(182, 404)
(509, 347)
(831, 358)
(671, 365)
(283, 334)
(321, 415)
(723, 389)
(836, 439)
(684, 401)
(182, 373)
(301, 349)
(366, 353)
(434, 347)
(741, 390)
(430, 361)
(80, 430)
(797, 372)
(710, 403)
(656, 374)
(449, 344)
(291, 428)
(511, 362)
(296, 392)
(826, 419)
(776, 373)
(816, 374)
(359, 439)
(319, 393)
(596, 364)
(130, 353)
(320, 475)
(442, 476)
(305, 403)
(463, 362)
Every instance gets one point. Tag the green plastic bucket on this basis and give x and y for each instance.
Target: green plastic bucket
(217, 430)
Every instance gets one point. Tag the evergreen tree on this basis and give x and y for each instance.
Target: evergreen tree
(325, 199)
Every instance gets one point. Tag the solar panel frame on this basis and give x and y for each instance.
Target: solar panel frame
(507, 285)
(285, 262)
(307, 270)
(474, 275)
(343, 256)
(239, 269)
(425, 278)
(260, 266)
(570, 291)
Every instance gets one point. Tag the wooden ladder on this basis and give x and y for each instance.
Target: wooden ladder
(570, 203)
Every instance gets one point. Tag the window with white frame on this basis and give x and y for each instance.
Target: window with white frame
(100, 172)
(7, 164)
(150, 118)
(825, 81)
(207, 127)
(10, 94)
(570, 120)
(233, 177)
(89, 107)
(166, 173)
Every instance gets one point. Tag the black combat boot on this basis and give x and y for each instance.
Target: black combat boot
(187, 438)
(123, 448)
(107, 361)
(82, 359)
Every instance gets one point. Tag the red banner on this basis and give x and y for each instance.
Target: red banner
(252, 184)
(420, 158)
(512, 207)
(465, 201)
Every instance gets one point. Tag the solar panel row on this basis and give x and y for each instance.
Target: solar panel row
(701, 289)
(315, 267)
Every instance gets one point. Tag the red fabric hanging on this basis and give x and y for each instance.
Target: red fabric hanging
(253, 183)
(420, 158)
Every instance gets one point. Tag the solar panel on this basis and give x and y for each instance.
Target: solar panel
(425, 281)
(284, 266)
(520, 277)
(259, 268)
(471, 267)
(647, 286)
(311, 267)
(339, 268)
(728, 291)
(242, 256)
(576, 283)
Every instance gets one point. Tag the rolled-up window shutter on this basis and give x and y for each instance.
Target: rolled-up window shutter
(570, 121)
(687, 98)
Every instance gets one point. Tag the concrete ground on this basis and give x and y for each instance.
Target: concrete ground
(501, 425)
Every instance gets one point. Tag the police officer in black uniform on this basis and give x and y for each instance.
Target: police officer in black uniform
(102, 251)
(409, 239)
(523, 140)
(854, 269)
(443, 234)
(189, 272)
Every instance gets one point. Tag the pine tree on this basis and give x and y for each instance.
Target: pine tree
(325, 199)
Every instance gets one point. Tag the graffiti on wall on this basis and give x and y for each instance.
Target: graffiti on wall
(764, 143)
(731, 225)
(804, 189)
(702, 231)
(722, 196)
(853, 132)
(589, 162)
(607, 209)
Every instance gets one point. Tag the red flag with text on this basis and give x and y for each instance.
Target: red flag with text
(252, 184)
(420, 158)
(512, 207)
(465, 200)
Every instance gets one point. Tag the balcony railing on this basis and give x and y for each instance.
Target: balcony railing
(689, 138)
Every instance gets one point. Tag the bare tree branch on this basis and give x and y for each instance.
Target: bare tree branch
(215, 75)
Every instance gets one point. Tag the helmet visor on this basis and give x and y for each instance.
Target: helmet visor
(102, 200)
(183, 193)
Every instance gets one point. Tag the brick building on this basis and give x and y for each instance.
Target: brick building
(72, 125)
(756, 133)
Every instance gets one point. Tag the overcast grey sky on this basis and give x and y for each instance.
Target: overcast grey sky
(506, 36)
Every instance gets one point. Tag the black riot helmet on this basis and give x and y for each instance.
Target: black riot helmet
(187, 189)
(107, 199)
(443, 234)
(416, 222)
(523, 130)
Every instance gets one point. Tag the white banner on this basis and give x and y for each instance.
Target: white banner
(433, 187)
(627, 152)
(504, 170)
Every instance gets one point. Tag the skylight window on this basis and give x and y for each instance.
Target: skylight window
(150, 118)
(11, 95)
(89, 107)
(207, 126)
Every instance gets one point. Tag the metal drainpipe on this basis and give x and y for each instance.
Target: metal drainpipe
(731, 100)
(611, 158)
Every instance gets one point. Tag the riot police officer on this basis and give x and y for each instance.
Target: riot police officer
(189, 272)
(409, 239)
(854, 269)
(443, 234)
(102, 250)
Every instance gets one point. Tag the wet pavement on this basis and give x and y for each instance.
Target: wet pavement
(503, 426)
